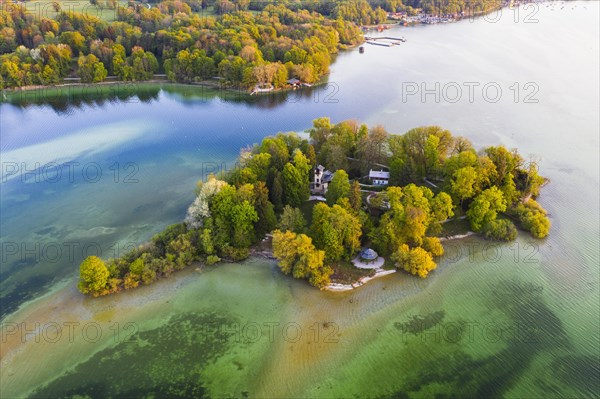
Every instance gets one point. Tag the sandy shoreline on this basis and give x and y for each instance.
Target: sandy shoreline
(335, 287)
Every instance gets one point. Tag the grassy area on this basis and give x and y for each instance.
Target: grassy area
(389, 264)
(344, 272)
(45, 8)
(455, 227)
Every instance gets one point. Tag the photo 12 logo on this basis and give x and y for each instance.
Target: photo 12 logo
(471, 92)
(67, 331)
(71, 172)
(55, 252)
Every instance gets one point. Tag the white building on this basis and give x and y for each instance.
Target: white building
(321, 180)
(379, 177)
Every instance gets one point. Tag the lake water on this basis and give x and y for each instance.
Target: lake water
(515, 320)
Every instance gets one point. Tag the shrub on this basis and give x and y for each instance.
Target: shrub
(235, 254)
(501, 230)
(533, 218)
(212, 259)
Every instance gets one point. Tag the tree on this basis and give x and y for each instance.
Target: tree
(419, 152)
(292, 219)
(500, 230)
(243, 216)
(485, 208)
(295, 185)
(432, 156)
(277, 192)
(299, 257)
(336, 230)
(373, 148)
(416, 261)
(234, 217)
(433, 245)
(90, 69)
(200, 208)
(93, 276)
(463, 183)
(264, 209)
(259, 164)
(505, 161)
(355, 196)
(533, 218)
(320, 132)
(339, 187)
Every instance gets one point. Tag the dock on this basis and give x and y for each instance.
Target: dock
(385, 41)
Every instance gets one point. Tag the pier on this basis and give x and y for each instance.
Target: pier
(385, 41)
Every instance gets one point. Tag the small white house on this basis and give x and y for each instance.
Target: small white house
(379, 177)
(321, 180)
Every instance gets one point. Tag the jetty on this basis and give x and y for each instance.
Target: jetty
(385, 41)
(262, 89)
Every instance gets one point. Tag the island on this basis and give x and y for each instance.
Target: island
(327, 207)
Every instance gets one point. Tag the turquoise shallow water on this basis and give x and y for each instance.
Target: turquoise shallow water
(517, 320)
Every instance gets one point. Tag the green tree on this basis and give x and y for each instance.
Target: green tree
(292, 219)
(533, 218)
(90, 69)
(277, 192)
(264, 210)
(295, 185)
(464, 183)
(336, 230)
(500, 230)
(355, 196)
(339, 187)
(93, 276)
(485, 208)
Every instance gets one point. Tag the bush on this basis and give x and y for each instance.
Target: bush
(500, 230)
(433, 245)
(533, 218)
(235, 254)
(212, 259)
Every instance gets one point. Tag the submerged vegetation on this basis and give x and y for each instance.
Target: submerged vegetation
(267, 193)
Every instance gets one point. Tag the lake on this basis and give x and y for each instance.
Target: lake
(97, 173)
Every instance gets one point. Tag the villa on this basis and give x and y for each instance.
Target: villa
(321, 180)
(379, 177)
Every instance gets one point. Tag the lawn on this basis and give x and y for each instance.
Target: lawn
(344, 272)
(455, 227)
(45, 8)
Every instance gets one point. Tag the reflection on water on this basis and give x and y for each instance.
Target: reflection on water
(72, 98)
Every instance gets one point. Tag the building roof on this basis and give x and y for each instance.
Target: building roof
(379, 174)
(293, 81)
(368, 254)
(327, 176)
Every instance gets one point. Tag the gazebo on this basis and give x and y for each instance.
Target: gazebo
(368, 255)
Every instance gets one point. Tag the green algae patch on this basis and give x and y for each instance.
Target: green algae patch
(164, 362)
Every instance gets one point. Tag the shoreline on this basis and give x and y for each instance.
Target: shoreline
(10, 95)
(215, 85)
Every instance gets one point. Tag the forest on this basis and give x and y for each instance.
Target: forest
(435, 177)
(239, 48)
(236, 43)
